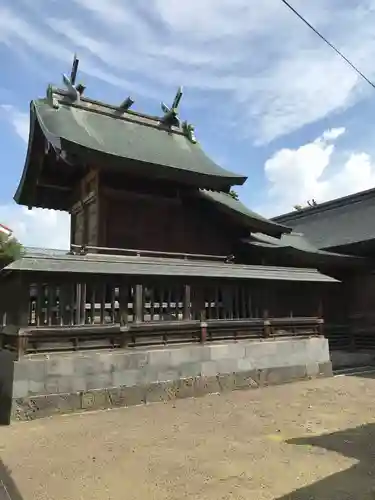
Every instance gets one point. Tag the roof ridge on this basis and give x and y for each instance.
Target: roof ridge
(327, 205)
(64, 93)
(112, 111)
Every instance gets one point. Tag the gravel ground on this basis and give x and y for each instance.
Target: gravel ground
(303, 441)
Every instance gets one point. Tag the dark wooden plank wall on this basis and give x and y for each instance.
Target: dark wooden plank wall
(85, 211)
(175, 225)
(142, 216)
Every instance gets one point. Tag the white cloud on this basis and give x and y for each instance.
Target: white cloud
(309, 172)
(333, 133)
(37, 227)
(20, 121)
(273, 73)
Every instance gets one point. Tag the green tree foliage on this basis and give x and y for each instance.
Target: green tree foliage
(233, 194)
(10, 250)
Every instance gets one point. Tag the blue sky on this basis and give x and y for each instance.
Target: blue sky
(267, 97)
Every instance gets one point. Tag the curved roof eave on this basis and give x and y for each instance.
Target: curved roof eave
(226, 203)
(19, 196)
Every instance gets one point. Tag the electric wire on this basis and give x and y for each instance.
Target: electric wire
(358, 71)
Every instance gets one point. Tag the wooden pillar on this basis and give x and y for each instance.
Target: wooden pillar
(80, 303)
(138, 304)
(187, 302)
(320, 317)
(123, 300)
(266, 324)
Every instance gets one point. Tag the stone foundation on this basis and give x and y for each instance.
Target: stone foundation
(42, 385)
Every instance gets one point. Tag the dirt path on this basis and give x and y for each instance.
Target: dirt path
(311, 440)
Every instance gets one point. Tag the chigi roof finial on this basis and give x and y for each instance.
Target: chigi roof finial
(171, 117)
(171, 113)
(74, 91)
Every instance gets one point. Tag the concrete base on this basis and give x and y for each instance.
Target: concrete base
(42, 385)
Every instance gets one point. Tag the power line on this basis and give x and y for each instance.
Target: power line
(328, 43)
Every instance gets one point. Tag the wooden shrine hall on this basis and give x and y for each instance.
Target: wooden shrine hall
(160, 251)
(344, 226)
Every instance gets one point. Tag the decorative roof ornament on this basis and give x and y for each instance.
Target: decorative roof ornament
(51, 99)
(171, 117)
(171, 113)
(127, 104)
(189, 131)
(74, 91)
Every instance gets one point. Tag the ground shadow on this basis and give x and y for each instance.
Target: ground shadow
(355, 483)
(8, 488)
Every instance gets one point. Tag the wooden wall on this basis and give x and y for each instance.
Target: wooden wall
(85, 214)
(116, 212)
(169, 225)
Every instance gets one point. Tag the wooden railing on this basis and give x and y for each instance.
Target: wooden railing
(356, 333)
(96, 313)
(55, 338)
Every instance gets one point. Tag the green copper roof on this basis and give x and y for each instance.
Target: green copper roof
(337, 223)
(297, 244)
(57, 262)
(136, 143)
(226, 203)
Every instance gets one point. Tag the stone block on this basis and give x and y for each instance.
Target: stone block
(167, 376)
(160, 391)
(188, 370)
(236, 350)
(281, 375)
(37, 370)
(148, 375)
(160, 358)
(181, 356)
(246, 379)
(312, 370)
(206, 385)
(134, 360)
(209, 369)
(254, 349)
(36, 387)
(126, 378)
(87, 365)
(105, 361)
(44, 406)
(318, 350)
(95, 400)
(79, 384)
(21, 369)
(51, 385)
(245, 364)
(219, 351)
(201, 352)
(98, 381)
(127, 396)
(226, 366)
(56, 366)
(325, 369)
(20, 388)
(226, 382)
(185, 388)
